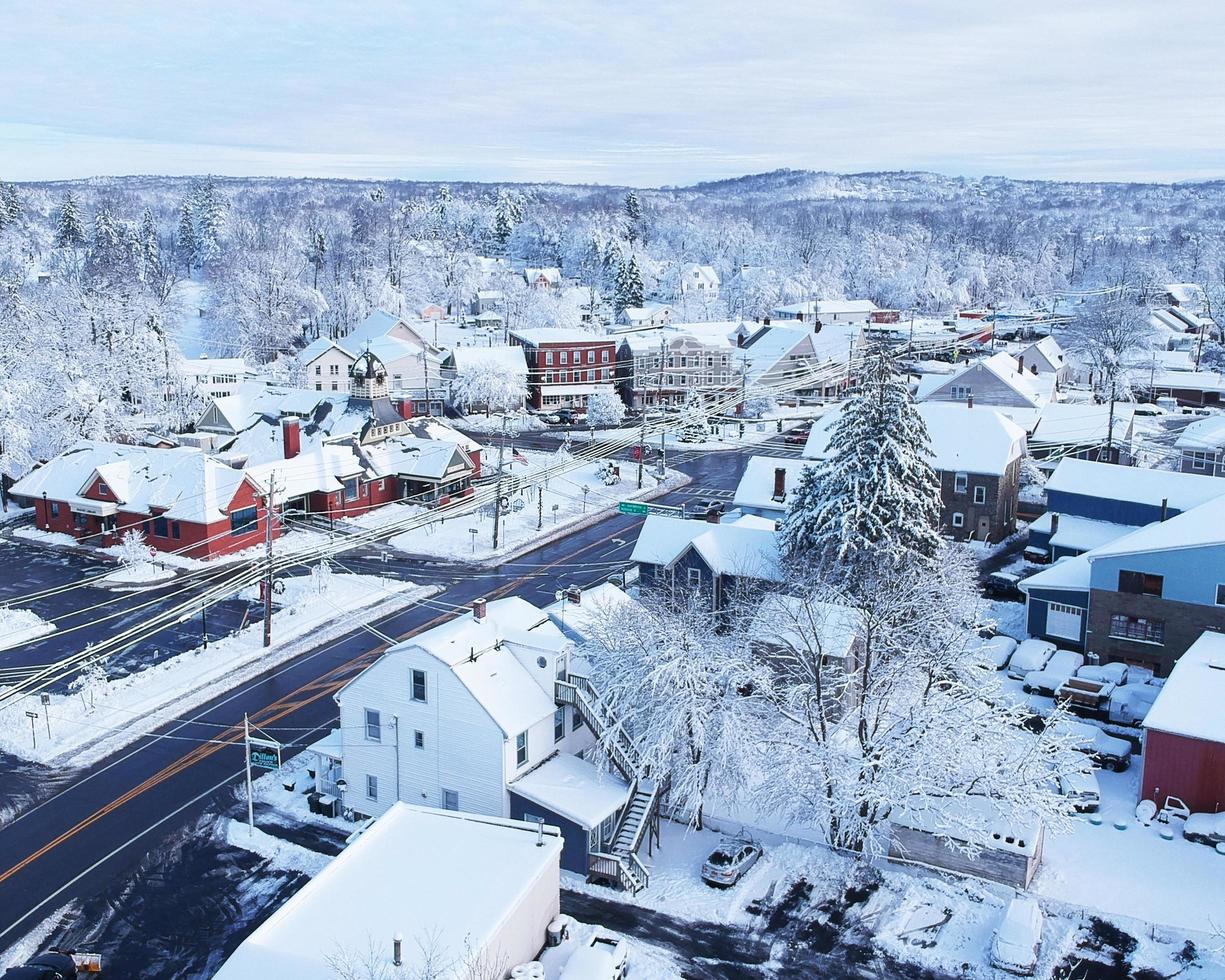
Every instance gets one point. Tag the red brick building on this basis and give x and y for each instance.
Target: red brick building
(564, 367)
(1184, 732)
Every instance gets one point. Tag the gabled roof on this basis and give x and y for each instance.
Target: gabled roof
(505, 689)
(317, 348)
(1199, 527)
(321, 470)
(1035, 389)
(756, 486)
(1078, 533)
(807, 625)
(1066, 574)
(744, 552)
(1045, 353)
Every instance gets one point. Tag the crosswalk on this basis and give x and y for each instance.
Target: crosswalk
(707, 492)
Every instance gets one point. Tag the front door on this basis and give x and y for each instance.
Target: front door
(984, 528)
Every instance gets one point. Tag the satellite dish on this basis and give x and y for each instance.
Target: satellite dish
(1146, 810)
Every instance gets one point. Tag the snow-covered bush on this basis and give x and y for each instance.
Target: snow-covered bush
(605, 409)
(133, 551)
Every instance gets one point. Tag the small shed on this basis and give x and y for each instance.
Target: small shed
(940, 834)
(1184, 731)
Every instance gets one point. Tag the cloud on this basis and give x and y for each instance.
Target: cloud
(639, 93)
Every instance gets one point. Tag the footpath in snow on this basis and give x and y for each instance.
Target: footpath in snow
(101, 715)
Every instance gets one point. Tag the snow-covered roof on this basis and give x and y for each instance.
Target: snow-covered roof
(963, 439)
(972, 818)
(756, 486)
(182, 483)
(1186, 293)
(740, 550)
(317, 348)
(662, 539)
(434, 876)
(1045, 353)
(455, 640)
(558, 335)
(200, 366)
(505, 689)
(573, 788)
(1071, 423)
(322, 469)
(1206, 433)
(1198, 527)
(694, 273)
(331, 745)
(638, 314)
(1036, 389)
(771, 344)
(829, 307)
(807, 625)
(1065, 574)
(432, 427)
(1079, 533)
(1207, 381)
(1190, 701)
(550, 274)
(409, 457)
(1134, 484)
(575, 619)
(507, 357)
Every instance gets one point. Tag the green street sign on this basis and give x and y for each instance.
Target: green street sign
(630, 507)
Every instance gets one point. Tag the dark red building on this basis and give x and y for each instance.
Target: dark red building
(564, 367)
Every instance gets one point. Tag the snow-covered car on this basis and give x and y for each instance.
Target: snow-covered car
(602, 957)
(1115, 673)
(1082, 789)
(994, 652)
(1107, 751)
(1017, 938)
(729, 861)
(1147, 409)
(1062, 665)
(1030, 655)
(1131, 702)
(1205, 828)
(1003, 585)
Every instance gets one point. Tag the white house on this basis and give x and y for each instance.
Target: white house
(700, 281)
(1045, 356)
(1202, 446)
(216, 377)
(650, 315)
(547, 277)
(828, 311)
(471, 891)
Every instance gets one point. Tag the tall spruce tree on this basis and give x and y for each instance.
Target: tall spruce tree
(147, 243)
(185, 246)
(629, 290)
(633, 217)
(69, 228)
(874, 497)
(209, 208)
(10, 205)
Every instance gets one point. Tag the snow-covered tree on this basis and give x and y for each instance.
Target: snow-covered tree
(755, 406)
(186, 248)
(632, 210)
(10, 205)
(133, 550)
(629, 290)
(209, 208)
(605, 409)
(489, 386)
(69, 226)
(674, 677)
(1109, 335)
(874, 496)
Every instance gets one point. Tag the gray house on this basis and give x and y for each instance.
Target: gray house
(1201, 446)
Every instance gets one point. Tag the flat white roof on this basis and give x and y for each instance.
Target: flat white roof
(1190, 702)
(1134, 484)
(431, 875)
(573, 788)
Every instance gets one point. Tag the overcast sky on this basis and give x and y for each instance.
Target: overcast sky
(642, 93)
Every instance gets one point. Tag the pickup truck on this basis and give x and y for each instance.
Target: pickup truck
(1062, 665)
(1106, 750)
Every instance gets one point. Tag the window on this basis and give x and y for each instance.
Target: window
(335, 386)
(959, 520)
(174, 530)
(103, 490)
(564, 357)
(318, 386)
(1199, 461)
(1139, 628)
(559, 724)
(603, 357)
(318, 369)
(418, 740)
(521, 749)
(333, 369)
(55, 508)
(576, 720)
(161, 527)
(695, 576)
(450, 799)
(374, 730)
(372, 787)
(351, 488)
(1141, 583)
(419, 686)
(1220, 595)
(960, 482)
(242, 521)
(548, 357)
(961, 392)
(382, 484)
(980, 495)
(591, 357)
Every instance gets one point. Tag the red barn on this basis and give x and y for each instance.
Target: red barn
(1184, 732)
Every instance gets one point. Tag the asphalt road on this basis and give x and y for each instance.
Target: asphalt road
(98, 824)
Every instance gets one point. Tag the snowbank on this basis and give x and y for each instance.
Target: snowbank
(18, 626)
(100, 716)
(281, 854)
(140, 573)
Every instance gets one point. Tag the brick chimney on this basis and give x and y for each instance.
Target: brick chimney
(405, 408)
(291, 436)
(780, 483)
(574, 596)
(1054, 524)
(969, 401)
(478, 609)
(1020, 364)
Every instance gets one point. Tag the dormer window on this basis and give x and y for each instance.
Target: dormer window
(103, 491)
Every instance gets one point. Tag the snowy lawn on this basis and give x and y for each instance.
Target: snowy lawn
(556, 509)
(13, 512)
(18, 626)
(1009, 617)
(140, 574)
(101, 715)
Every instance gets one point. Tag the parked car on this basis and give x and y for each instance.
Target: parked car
(566, 416)
(602, 957)
(795, 438)
(1003, 585)
(1062, 665)
(1107, 751)
(1030, 655)
(1205, 828)
(1115, 673)
(1147, 409)
(995, 651)
(1017, 938)
(729, 861)
(1129, 703)
(1083, 789)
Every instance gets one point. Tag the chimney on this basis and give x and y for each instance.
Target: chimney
(1054, 524)
(478, 610)
(1020, 364)
(291, 435)
(739, 340)
(713, 515)
(574, 596)
(969, 401)
(1165, 507)
(765, 321)
(780, 483)
(405, 407)
(540, 831)
(397, 950)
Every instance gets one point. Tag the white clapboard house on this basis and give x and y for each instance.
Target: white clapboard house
(490, 713)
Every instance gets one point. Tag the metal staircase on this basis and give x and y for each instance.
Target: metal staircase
(640, 817)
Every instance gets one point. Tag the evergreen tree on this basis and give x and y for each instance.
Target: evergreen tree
(209, 209)
(629, 285)
(185, 246)
(69, 228)
(10, 205)
(507, 213)
(147, 244)
(316, 254)
(633, 217)
(874, 497)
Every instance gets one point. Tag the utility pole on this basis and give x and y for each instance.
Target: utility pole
(497, 503)
(663, 353)
(268, 504)
(744, 384)
(1110, 425)
(246, 752)
(540, 500)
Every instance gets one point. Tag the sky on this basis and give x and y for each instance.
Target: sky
(622, 92)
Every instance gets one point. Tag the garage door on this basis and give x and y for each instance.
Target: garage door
(1064, 621)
